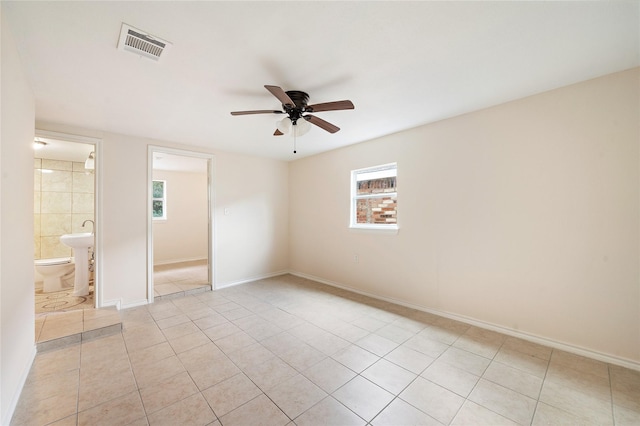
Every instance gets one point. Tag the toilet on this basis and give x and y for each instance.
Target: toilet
(53, 271)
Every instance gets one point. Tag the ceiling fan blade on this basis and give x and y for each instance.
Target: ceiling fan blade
(321, 123)
(330, 106)
(277, 133)
(259, 111)
(280, 94)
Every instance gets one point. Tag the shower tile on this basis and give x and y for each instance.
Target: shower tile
(37, 179)
(83, 182)
(56, 165)
(55, 224)
(37, 196)
(51, 247)
(57, 181)
(55, 202)
(82, 203)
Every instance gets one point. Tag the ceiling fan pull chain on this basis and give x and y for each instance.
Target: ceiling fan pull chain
(294, 140)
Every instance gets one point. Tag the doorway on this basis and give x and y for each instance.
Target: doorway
(180, 228)
(66, 201)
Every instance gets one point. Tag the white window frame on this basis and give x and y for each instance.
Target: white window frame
(353, 220)
(163, 199)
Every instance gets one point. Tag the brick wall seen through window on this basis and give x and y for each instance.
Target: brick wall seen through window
(374, 197)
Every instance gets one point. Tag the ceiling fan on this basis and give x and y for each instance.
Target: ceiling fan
(294, 104)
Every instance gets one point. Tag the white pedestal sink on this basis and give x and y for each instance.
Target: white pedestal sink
(80, 244)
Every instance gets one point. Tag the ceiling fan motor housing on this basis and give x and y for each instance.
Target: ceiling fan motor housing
(300, 99)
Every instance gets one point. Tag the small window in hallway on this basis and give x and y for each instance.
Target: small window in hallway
(159, 200)
(374, 197)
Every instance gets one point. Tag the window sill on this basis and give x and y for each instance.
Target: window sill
(382, 229)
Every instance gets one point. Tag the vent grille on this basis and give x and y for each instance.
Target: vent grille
(141, 43)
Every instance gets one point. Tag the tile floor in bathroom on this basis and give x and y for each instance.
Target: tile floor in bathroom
(63, 300)
(289, 351)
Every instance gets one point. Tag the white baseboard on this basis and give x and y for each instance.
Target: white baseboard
(16, 396)
(567, 347)
(248, 280)
(169, 262)
(111, 303)
(133, 304)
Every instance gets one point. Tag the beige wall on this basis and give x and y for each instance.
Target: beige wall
(17, 347)
(524, 216)
(184, 235)
(253, 237)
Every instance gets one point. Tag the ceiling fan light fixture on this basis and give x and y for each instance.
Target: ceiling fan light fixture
(90, 162)
(301, 127)
(284, 125)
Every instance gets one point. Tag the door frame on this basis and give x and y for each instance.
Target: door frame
(97, 203)
(151, 150)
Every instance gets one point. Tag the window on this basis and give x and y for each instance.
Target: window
(159, 200)
(374, 198)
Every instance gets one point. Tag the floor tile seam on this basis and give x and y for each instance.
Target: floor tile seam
(580, 372)
(140, 389)
(262, 392)
(401, 366)
(585, 418)
(537, 398)
(181, 335)
(210, 406)
(424, 412)
(495, 412)
(401, 343)
(544, 379)
(472, 353)
(392, 393)
(306, 368)
(197, 391)
(328, 395)
(577, 370)
(573, 389)
(483, 376)
(78, 411)
(282, 409)
(533, 413)
(454, 366)
(579, 388)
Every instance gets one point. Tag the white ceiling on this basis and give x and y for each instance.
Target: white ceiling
(179, 163)
(403, 64)
(60, 149)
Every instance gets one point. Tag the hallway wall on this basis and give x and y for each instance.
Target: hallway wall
(17, 322)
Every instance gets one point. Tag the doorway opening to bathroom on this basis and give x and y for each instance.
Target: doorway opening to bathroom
(180, 228)
(66, 176)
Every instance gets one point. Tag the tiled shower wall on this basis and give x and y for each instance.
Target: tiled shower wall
(63, 199)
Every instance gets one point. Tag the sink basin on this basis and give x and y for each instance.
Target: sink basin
(81, 240)
(80, 244)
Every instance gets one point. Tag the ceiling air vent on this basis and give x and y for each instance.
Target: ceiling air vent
(141, 43)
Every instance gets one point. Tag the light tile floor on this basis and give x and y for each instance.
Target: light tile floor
(60, 329)
(62, 300)
(288, 351)
(179, 279)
